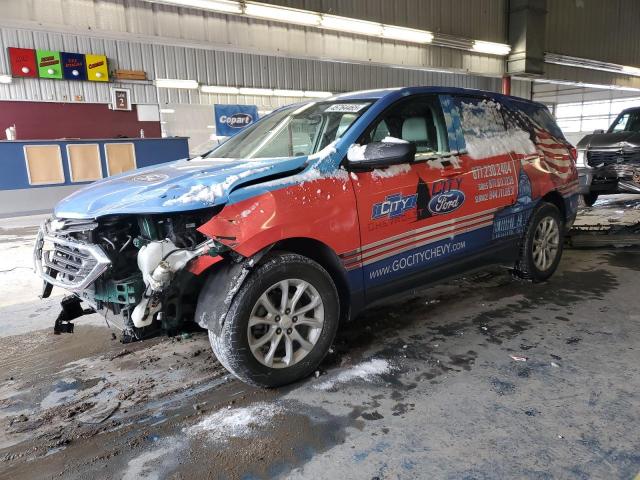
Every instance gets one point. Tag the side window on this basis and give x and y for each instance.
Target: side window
(417, 120)
(621, 124)
(479, 117)
(536, 117)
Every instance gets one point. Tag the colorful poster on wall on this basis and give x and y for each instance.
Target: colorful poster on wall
(23, 62)
(73, 66)
(230, 119)
(97, 69)
(48, 64)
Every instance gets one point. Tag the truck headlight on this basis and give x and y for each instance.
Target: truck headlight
(581, 158)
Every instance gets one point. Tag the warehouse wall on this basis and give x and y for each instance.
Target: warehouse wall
(135, 19)
(211, 67)
(595, 29)
(47, 120)
(480, 19)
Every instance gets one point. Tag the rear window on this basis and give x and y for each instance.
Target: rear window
(538, 116)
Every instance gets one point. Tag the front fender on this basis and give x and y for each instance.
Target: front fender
(220, 288)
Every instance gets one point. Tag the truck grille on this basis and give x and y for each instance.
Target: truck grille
(66, 262)
(596, 158)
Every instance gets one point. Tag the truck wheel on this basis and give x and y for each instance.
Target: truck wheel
(588, 199)
(281, 322)
(542, 244)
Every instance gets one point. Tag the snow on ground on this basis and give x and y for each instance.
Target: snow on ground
(364, 371)
(239, 422)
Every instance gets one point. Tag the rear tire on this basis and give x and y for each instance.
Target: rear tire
(271, 338)
(588, 199)
(542, 244)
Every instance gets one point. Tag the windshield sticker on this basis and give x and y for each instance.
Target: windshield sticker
(346, 107)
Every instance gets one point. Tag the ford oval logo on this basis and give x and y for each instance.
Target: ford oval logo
(446, 202)
(237, 120)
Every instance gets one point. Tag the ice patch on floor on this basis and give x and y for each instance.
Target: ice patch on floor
(364, 371)
(238, 422)
(152, 465)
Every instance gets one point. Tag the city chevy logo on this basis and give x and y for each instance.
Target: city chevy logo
(237, 120)
(394, 206)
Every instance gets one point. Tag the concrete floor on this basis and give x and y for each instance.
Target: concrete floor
(425, 387)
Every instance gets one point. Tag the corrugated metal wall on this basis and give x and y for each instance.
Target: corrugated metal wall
(596, 29)
(210, 67)
(128, 55)
(479, 19)
(124, 19)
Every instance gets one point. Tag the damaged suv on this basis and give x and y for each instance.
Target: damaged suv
(610, 162)
(315, 211)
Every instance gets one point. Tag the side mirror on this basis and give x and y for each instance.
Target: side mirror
(380, 154)
(598, 131)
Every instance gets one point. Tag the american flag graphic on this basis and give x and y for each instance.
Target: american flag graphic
(553, 155)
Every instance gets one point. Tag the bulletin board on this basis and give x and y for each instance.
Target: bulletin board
(120, 157)
(84, 162)
(44, 164)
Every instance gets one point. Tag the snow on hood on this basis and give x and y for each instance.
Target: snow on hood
(171, 187)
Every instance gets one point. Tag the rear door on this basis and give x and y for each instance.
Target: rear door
(490, 150)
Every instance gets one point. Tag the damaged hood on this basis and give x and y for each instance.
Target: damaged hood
(607, 141)
(173, 187)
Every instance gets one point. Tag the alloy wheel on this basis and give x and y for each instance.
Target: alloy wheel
(285, 323)
(546, 242)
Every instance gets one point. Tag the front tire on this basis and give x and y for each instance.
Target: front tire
(281, 322)
(542, 244)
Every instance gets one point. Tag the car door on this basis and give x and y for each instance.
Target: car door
(416, 218)
(495, 179)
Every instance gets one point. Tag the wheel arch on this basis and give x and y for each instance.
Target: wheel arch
(556, 199)
(324, 255)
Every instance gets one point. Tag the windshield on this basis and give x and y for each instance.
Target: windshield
(627, 122)
(293, 131)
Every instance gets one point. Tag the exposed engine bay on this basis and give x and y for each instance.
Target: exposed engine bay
(131, 269)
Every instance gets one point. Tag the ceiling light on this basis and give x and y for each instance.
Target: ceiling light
(219, 89)
(406, 34)
(312, 94)
(281, 14)
(288, 93)
(223, 6)
(491, 47)
(5, 79)
(167, 110)
(351, 25)
(175, 83)
(631, 70)
(256, 91)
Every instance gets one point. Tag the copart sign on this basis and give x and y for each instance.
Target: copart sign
(230, 119)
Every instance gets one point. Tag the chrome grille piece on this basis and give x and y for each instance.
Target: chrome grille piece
(597, 158)
(66, 262)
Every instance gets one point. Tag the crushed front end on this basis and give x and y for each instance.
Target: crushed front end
(614, 170)
(129, 268)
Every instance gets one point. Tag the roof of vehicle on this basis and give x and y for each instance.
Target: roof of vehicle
(630, 109)
(383, 92)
